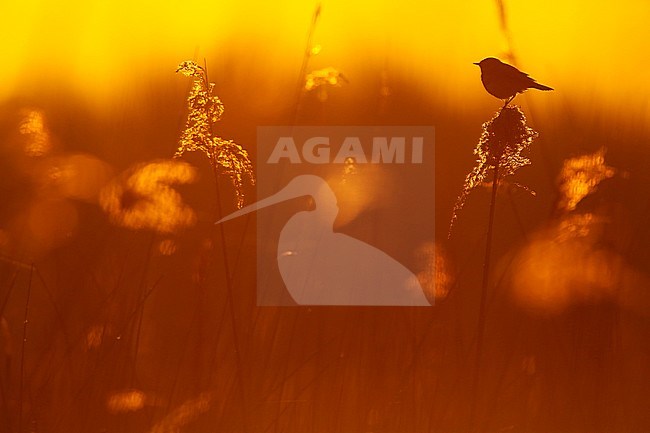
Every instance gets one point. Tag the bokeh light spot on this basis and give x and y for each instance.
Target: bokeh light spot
(144, 199)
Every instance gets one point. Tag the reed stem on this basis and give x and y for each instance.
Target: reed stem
(22, 351)
(482, 312)
(229, 295)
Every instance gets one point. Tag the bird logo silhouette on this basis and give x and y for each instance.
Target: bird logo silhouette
(322, 267)
(505, 81)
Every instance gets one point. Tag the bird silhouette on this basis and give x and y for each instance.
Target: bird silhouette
(321, 267)
(504, 81)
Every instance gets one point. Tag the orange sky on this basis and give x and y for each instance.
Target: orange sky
(581, 48)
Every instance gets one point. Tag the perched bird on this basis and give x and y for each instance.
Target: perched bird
(504, 81)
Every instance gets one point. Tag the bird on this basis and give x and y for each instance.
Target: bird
(321, 267)
(504, 81)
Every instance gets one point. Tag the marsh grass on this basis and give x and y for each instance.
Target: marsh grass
(501, 152)
(205, 110)
(328, 370)
(306, 57)
(226, 158)
(23, 347)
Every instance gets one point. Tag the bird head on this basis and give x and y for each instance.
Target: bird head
(488, 62)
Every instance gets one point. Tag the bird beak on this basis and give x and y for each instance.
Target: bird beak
(476, 63)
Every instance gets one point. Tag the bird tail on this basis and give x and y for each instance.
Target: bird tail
(541, 87)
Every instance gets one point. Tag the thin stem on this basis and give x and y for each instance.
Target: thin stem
(6, 372)
(305, 61)
(140, 308)
(22, 351)
(229, 295)
(214, 163)
(505, 29)
(482, 313)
